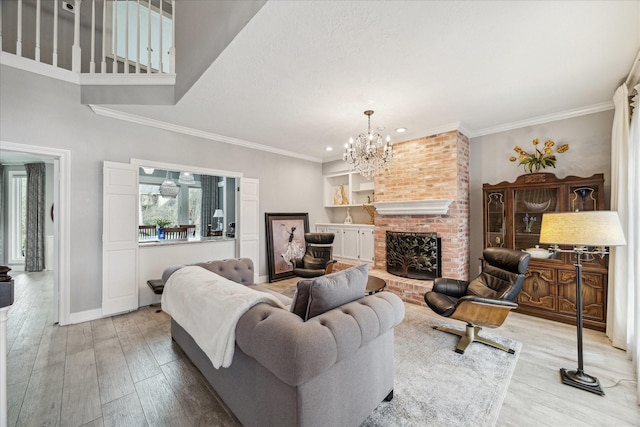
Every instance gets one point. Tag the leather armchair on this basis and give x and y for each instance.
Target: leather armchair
(317, 257)
(484, 301)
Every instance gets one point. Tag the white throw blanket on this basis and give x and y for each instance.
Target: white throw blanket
(208, 307)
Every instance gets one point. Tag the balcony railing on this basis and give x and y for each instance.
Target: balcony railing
(121, 37)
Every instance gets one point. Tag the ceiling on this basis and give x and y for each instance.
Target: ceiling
(299, 76)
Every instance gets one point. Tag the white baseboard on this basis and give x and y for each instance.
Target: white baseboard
(262, 279)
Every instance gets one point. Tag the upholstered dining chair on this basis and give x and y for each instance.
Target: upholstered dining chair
(317, 259)
(484, 301)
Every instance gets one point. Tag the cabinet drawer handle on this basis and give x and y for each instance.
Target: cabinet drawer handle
(535, 286)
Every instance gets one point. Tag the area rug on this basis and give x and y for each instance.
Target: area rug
(435, 386)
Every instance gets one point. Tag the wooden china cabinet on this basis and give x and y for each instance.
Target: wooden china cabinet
(512, 216)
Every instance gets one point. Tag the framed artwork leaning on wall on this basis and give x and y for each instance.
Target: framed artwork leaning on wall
(285, 241)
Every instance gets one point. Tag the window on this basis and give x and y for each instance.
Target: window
(17, 216)
(125, 32)
(187, 206)
(154, 207)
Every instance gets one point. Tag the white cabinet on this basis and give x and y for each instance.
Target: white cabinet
(352, 241)
(337, 241)
(365, 243)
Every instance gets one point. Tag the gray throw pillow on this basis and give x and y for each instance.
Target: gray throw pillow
(301, 298)
(333, 290)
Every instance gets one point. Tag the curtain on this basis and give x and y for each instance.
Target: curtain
(633, 240)
(3, 204)
(35, 217)
(623, 308)
(209, 201)
(617, 306)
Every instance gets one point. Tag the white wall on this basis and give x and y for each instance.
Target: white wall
(589, 138)
(40, 111)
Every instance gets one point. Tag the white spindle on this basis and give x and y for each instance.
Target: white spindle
(19, 30)
(172, 50)
(149, 40)
(92, 63)
(55, 34)
(138, 38)
(126, 37)
(103, 64)
(38, 17)
(115, 37)
(160, 50)
(76, 52)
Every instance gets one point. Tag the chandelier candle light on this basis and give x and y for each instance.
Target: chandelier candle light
(582, 230)
(368, 154)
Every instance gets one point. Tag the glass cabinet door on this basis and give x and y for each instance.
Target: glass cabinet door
(495, 220)
(583, 198)
(529, 205)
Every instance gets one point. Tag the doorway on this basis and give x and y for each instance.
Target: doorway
(58, 209)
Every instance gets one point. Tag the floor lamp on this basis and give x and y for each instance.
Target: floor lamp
(582, 230)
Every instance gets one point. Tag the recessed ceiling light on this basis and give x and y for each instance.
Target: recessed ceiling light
(328, 149)
(401, 130)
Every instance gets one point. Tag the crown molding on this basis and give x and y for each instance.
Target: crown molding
(445, 128)
(568, 114)
(145, 121)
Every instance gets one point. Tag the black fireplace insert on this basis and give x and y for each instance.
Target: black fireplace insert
(414, 255)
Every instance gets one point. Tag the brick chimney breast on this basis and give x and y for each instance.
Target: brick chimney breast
(433, 167)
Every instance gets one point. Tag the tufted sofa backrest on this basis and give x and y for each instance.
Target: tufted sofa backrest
(239, 270)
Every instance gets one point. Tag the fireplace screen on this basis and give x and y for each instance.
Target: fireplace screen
(413, 255)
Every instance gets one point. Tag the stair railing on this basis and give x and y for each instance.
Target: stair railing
(109, 37)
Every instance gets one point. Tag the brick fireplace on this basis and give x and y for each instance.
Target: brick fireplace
(434, 167)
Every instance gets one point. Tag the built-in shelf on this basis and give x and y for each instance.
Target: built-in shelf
(414, 207)
(352, 185)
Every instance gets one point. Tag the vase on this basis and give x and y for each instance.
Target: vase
(160, 233)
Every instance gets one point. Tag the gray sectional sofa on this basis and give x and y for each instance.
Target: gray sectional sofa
(333, 369)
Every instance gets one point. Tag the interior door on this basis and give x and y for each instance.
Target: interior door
(120, 238)
(249, 226)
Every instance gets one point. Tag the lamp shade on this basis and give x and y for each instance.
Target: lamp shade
(218, 213)
(186, 178)
(593, 228)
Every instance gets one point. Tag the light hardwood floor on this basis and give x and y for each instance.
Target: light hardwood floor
(126, 371)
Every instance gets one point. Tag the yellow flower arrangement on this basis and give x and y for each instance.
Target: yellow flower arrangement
(541, 158)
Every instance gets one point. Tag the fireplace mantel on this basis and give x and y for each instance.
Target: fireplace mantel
(414, 207)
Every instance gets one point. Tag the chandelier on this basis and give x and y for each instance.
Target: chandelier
(168, 188)
(368, 154)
